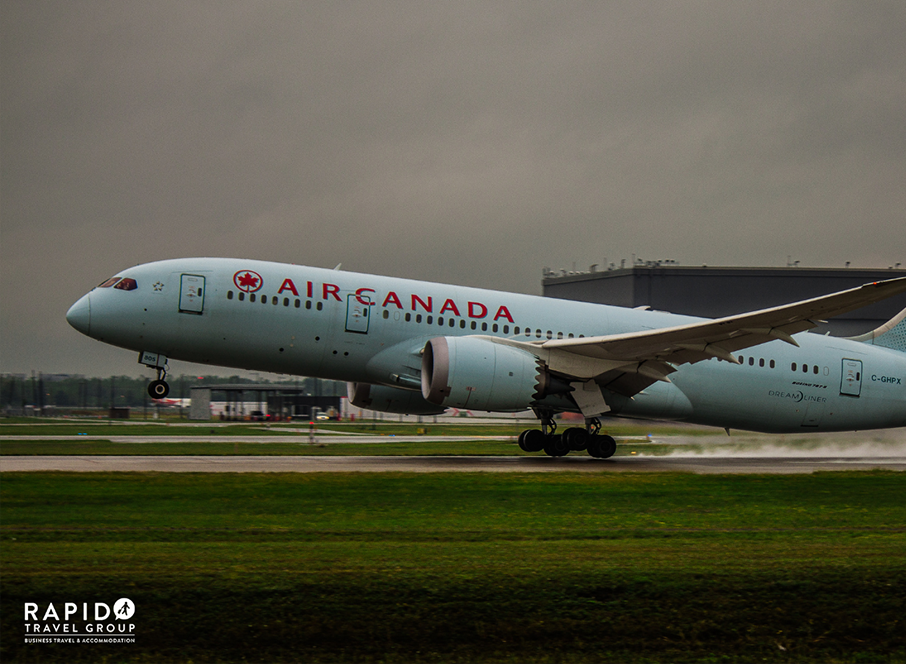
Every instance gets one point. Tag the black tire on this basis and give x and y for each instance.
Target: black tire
(532, 440)
(555, 446)
(158, 389)
(602, 447)
(576, 438)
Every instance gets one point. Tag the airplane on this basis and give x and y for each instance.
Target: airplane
(417, 347)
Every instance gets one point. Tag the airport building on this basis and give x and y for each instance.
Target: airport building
(244, 401)
(713, 292)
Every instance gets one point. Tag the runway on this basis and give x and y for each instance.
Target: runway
(709, 464)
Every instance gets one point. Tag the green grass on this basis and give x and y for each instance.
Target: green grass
(465, 567)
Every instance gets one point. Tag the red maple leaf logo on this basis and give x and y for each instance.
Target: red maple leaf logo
(247, 281)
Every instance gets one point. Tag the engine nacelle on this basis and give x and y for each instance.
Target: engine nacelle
(390, 400)
(465, 372)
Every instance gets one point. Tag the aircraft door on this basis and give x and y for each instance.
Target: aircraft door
(358, 314)
(191, 294)
(851, 384)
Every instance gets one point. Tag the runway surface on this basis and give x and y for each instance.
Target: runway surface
(432, 464)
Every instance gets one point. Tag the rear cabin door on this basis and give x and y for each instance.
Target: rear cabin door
(191, 294)
(358, 314)
(851, 384)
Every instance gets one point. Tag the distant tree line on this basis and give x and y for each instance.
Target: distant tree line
(81, 392)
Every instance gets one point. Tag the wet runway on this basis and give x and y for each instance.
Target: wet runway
(715, 463)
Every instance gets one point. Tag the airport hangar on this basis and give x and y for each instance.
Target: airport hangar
(713, 292)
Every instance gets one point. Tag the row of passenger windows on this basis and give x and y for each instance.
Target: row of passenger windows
(297, 303)
(804, 368)
(429, 320)
(483, 326)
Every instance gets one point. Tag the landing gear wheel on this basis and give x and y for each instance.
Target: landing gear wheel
(532, 440)
(602, 447)
(158, 389)
(556, 446)
(576, 438)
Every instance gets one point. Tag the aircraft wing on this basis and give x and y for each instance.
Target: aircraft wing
(649, 355)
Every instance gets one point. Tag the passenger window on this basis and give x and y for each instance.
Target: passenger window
(285, 301)
(275, 300)
(308, 304)
(474, 325)
(320, 306)
(452, 322)
(559, 335)
(484, 327)
(386, 314)
(751, 361)
(761, 362)
(537, 334)
(772, 364)
(252, 297)
(429, 320)
(440, 320)
(804, 368)
(516, 330)
(298, 303)
(241, 296)
(550, 335)
(816, 370)
(506, 329)
(229, 295)
(793, 367)
(494, 327)
(418, 318)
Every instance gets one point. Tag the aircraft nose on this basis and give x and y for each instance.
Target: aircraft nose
(79, 314)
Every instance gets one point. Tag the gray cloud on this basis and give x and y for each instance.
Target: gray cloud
(469, 142)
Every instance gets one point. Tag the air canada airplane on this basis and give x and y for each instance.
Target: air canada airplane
(416, 347)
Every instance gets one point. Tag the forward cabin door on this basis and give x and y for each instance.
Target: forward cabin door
(191, 294)
(358, 314)
(851, 384)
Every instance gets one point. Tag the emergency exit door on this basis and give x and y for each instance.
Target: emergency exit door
(191, 294)
(851, 384)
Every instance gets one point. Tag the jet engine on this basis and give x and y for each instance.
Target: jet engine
(390, 400)
(465, 372)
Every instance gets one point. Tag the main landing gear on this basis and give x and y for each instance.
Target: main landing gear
(573, 439)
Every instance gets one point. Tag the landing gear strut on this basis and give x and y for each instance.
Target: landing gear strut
(573, 439)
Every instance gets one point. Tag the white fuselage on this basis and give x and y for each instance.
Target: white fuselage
(372, 329)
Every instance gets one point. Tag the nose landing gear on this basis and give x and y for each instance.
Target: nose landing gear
(157, 389)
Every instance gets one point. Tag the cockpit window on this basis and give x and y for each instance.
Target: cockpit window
(126, 284)
(109, 282)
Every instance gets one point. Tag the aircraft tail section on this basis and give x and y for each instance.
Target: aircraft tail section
(891, 334)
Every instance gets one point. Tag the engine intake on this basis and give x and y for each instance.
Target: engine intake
(466, 372)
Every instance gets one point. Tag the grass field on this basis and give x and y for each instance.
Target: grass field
(464, 567)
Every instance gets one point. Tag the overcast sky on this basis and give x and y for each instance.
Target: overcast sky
(468, 142)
